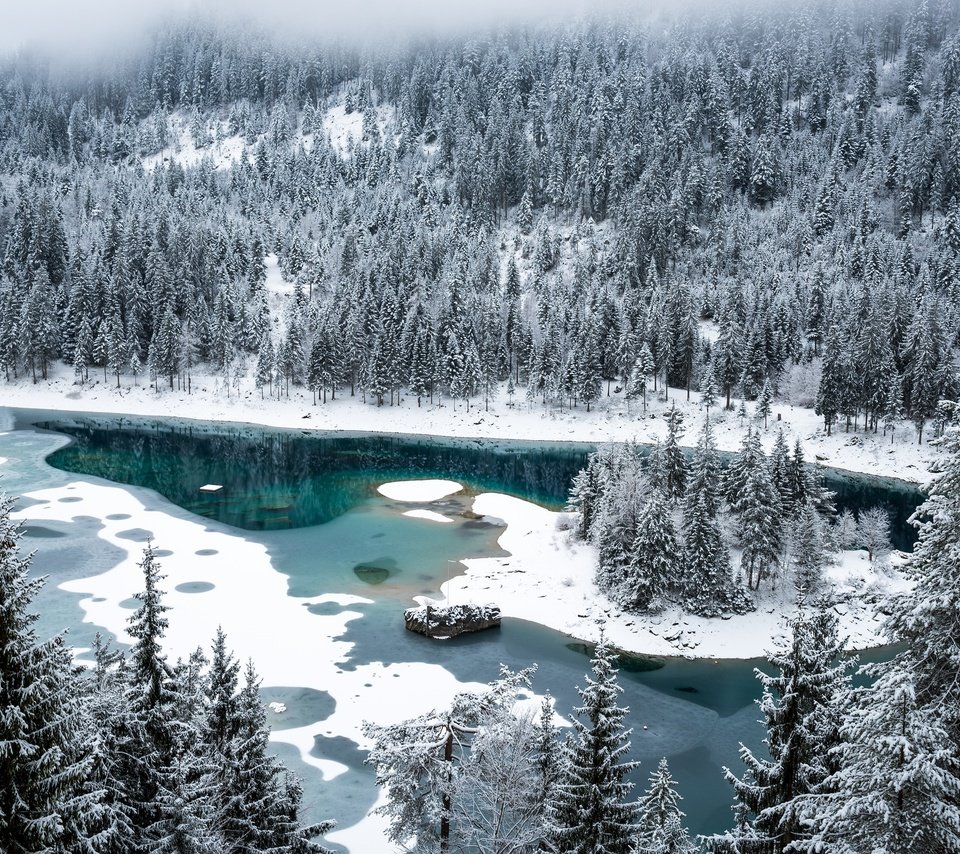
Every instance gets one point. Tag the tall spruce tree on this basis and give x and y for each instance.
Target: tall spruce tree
(800, 706)
(898, 784)
(653, 567)
(44, 757)
(590, 813)
(661, 819)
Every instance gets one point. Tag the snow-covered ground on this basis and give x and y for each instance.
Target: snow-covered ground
(609, 421)
(548, 578)
(224, 151)
(346, 129)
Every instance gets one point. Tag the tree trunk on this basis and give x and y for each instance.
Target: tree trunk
(445, 817)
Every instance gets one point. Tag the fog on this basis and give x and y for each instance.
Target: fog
(70, 26)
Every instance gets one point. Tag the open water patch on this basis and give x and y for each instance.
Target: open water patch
(195, 587)
(41, 532)
(137, 535)
(376, 571)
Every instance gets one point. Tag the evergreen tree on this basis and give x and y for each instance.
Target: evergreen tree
(661, 819)
(590, 812)
(800, 706)
(653, 567)
(674, 461)
(259, 802)
(44, 760)
(809, 553)
(706, 478)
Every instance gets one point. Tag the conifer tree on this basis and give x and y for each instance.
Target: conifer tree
(259, 802)
(800, 705)
(674, 461)
(590, 813)
(44, 760)
(661, 819)
(653, 567)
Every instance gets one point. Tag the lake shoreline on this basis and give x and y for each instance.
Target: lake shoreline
(196, 421)
(611, 420)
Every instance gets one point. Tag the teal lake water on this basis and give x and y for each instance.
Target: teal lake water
(305, 495)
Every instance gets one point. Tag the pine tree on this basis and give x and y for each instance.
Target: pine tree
(165, 347)
(661, 819)
(809, 553)
(44, 761)
(258, 800)
(150, 698)
(265, 363)
(898, 785)
(800, 705)
(763, 403)
(705, 475)
(928, 618)
(642, 368)
(590, 813)
(708, 389)
(674, 461)
(708, 586)
(653, 567)
(756, 503)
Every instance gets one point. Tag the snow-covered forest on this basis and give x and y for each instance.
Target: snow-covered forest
(135, 753)
(761, 203)
(756, 203)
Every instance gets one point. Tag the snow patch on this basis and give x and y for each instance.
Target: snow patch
(275, 283)
(223, 151)
(418, 490)
(346, 129)
(429, 515)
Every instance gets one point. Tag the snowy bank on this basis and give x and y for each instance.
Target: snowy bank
(548, 579)
(610, 420)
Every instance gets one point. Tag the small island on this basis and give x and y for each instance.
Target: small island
(448, 621)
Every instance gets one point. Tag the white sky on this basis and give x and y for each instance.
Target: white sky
(63, 25)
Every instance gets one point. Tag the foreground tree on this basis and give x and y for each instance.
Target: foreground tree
(419, 761)
(44, 761)
(661, 819)
(898, 785)
(590, 813)
(800, 706)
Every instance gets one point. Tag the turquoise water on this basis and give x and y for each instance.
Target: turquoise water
(303, 496)
(275, 479)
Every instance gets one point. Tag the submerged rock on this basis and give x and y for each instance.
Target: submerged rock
(440, 621)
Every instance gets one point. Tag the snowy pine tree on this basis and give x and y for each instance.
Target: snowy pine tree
(590, 813)
(44, 758)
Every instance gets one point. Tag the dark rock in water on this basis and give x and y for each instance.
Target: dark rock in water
(438, 621)
(371, 574)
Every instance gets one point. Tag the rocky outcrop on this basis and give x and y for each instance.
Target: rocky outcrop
(442, 621)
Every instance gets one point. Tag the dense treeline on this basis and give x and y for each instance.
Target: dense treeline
(762, 198)
(133, 754)
(660, 522)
